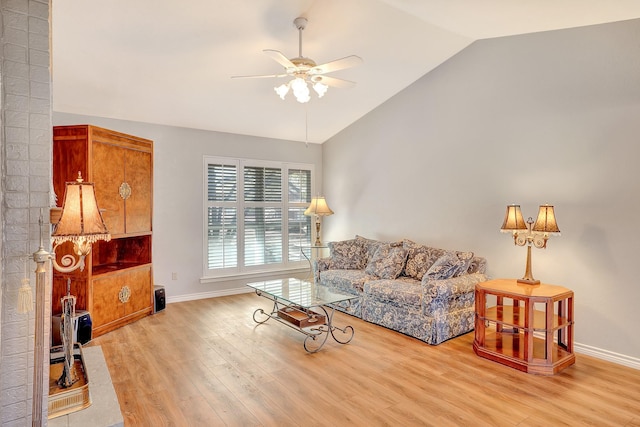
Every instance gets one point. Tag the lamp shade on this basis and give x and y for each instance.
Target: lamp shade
(80, 218)
(319, 207)
(546, 222)
(513, 219)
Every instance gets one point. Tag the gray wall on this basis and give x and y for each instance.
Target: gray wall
(25, 155)
(549, 117)
(178, 193)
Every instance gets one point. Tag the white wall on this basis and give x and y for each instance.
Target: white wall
(551, 117)
(178, 193)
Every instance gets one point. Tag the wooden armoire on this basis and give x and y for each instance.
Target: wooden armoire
(116, 285)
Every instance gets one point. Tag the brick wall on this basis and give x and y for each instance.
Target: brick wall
(25, 158)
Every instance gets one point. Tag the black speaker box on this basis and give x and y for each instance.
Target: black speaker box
(82, 325)
(160, 299)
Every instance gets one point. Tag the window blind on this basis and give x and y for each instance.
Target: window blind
(222, 222)
(252, 223)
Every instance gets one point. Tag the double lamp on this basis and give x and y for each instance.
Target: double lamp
(530, 233)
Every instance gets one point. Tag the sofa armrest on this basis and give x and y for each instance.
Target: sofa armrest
(450, 288)
(320, 264)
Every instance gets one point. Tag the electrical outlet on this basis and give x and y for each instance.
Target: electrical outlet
(174, 276)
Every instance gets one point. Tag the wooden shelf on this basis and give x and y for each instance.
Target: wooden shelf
(120, 253)
(511, 345)
(116, 267)
(512, 316)
(516, 333)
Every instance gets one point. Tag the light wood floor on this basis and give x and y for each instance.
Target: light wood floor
(206, 363)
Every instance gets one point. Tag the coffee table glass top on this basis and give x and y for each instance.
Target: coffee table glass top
(304, 293)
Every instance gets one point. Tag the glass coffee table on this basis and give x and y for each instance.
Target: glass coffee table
(305, 307)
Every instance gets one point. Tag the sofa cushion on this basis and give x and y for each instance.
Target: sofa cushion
(347, 255)
(420, 259)
(348, 281)
(388, 261)
(402, 291)
(451, 264)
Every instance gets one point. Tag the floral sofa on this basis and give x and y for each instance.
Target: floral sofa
(421, 291)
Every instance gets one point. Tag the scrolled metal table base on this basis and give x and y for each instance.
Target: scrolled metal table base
(316, 336)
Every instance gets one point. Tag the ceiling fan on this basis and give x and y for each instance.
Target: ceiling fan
(305, 70)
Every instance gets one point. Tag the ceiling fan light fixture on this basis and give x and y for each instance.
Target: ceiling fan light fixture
(305, 71)
(300, 89)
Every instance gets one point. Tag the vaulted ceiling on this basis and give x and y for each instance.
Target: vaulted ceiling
(170, 62)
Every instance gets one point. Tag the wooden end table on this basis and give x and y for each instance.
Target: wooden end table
(518, 331)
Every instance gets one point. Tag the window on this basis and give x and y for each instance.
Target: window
(252, 223)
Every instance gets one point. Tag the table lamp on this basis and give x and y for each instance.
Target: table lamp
(80, 223)
(527, 233)
(318, 207)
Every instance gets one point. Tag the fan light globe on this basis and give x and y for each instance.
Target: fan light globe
(282, 90)
(320, 89)
(300, 90)
(298, 85)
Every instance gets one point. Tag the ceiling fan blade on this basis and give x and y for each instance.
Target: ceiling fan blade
(338, 64)
(263, 76)
(277, 56)
(333, 82)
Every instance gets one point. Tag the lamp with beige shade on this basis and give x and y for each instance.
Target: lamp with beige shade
(527, 233)
(318, 207)
(81, 224)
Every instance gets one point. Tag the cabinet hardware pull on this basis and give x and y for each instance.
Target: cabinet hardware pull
(124, 294)
(125, 190)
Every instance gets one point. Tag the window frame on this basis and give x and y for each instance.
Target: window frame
(241, 271)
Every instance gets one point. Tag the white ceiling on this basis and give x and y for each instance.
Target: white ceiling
(170, 61)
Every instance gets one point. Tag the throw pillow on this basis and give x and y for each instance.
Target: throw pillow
(409, 243)
(467, 257)
(347, 255)
(372, 245)
(451, 264)
(387, 262)
(420, 259)
(478, 265)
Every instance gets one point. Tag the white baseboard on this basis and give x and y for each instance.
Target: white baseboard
(210, 294)
(607, 355)
(598, 353)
